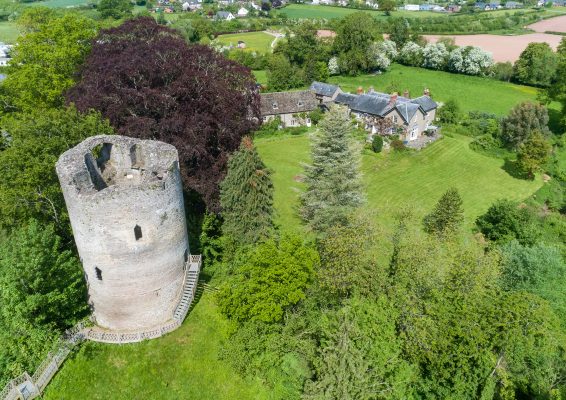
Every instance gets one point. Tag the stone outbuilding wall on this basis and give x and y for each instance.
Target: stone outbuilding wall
(125, 202)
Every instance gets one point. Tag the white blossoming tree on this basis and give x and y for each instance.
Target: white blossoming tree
(333, 67)
(435, 56)
(389, 48)
(378, 58)
(411, 54)
(470, 60)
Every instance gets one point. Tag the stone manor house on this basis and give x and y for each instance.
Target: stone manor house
(380, 113)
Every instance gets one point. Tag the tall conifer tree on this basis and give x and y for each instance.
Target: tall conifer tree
(447, 216)
(333, 180)
(246, 196)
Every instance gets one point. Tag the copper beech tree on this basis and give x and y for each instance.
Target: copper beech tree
(151, 84)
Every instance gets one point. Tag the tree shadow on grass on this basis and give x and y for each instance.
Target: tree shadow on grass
(511, 167)
(554, 124)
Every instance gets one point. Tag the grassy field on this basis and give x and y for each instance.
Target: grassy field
(393, 181)
(181, 365)
(295, 11)
(471, 92)
(59, 3)
(8, 32)
(255, 41)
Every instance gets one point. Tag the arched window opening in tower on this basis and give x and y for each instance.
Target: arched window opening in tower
(137, 232)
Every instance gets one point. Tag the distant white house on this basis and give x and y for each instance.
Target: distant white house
(412, 7)
(372, 4)
(242, 12)
(191, 5)
(224, 15)
(255, 6)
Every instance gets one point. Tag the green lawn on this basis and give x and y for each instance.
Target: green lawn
(260, 76)
(472, 93)
(255, 41)
(8, 32)
(394, 181)
(59, 3)
(181, 365)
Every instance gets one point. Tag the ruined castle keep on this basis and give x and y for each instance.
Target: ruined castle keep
(125, 202)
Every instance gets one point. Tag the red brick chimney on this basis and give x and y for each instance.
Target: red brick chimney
(360, 90)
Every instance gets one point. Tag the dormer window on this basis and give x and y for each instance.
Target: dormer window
(275, 107)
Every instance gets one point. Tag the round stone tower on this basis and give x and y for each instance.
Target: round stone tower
(125, 202)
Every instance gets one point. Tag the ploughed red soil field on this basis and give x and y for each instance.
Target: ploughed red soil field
(503, 48)
(557, 24)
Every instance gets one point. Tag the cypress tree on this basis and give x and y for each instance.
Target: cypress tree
(333, 181)
(447, 216)
(246, 197)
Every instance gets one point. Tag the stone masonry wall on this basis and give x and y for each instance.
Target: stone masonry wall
(125, 202)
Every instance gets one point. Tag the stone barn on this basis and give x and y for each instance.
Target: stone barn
(125, 202)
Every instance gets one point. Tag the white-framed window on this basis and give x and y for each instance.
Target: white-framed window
(394, 119)
(275, 107)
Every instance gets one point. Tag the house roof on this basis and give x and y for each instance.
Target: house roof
(345, 98)
(223, 14)
(324, 89)
(287, 102)
(370, 104)
(426, 103)
(407, 110)
(380, 104)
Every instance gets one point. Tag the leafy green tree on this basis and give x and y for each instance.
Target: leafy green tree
(400, 32)
(29, 187)
(557, 90)
(539, 269)
(348, 261)
(281, 75)
(32, 18)
(450, 112)
(42, 292)
(360, 355)
(267, 280)
(186, 28)
(504, 221)
(447, 217)
(115, 8)
(302, 45)
(42, 284)
(522, 121)
(502, 71)
(533, 153)
(354, 36)
(45, 62)
(536, 65)
(333, 189)
(246, 197)
(377, 144)
(530, 347)
(387, 6)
